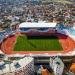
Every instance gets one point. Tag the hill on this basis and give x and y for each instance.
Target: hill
(61, 1)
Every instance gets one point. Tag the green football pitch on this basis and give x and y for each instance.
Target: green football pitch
(37, 43)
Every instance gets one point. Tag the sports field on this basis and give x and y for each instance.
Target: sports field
(37, 43)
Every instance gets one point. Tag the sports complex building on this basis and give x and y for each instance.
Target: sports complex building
(30, 41)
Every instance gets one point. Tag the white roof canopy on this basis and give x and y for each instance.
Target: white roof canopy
(36, 25)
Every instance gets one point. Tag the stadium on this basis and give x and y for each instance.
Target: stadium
(32, 42)
(38, 38)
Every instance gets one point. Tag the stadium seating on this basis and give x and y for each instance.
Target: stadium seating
(38, 29)
(60, 26)
(24, 29)
(9, 31)
(1, 36)
(43, 29)
(71, 31)
(4, 33)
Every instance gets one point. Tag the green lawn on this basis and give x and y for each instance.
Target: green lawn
(37, 43)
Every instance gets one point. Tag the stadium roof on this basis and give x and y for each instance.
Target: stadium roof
(36, 25)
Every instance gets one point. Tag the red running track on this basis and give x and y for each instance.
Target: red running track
(68, 44)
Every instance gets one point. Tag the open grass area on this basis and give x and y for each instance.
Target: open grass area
(37, 43)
